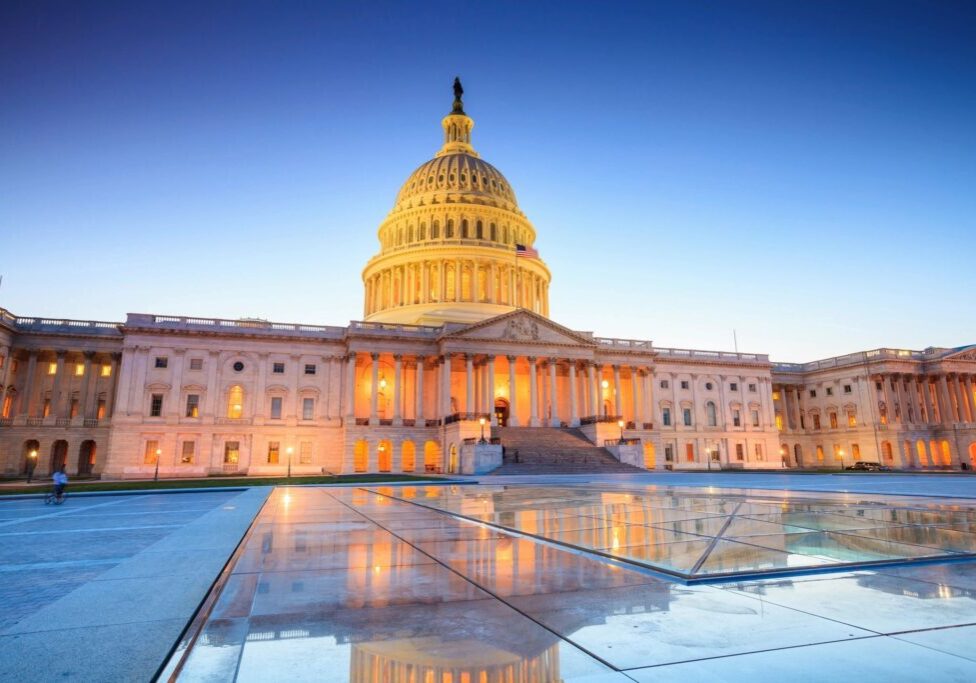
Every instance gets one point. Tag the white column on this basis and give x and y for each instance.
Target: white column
(469, 383)
(618, 408)
(574, 420)
(533, 394)
(554, 420)
(635, 397)
(595, 406)
(87, 388)
(491, 390)
(374, 394)
(350, 388)
(945, 402)
(446, 386)
(397, 389)
(513, 419)
(419, 400)
(56, 389)
(970, 401)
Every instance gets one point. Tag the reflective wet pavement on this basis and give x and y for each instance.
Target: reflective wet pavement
(458, 584)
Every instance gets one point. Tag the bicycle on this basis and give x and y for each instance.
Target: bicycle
(55, 498)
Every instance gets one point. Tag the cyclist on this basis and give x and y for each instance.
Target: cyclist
(60, 482)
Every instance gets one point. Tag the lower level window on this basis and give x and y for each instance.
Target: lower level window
(151, 454)
(740, 452)
(186, 457)
(305, 453)
(690, 452)
(232, 452)
(273, 451)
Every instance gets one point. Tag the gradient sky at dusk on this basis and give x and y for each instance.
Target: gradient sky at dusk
(803, 172)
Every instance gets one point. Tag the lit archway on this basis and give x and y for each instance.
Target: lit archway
(923, 460)
(432, 456)
(972, 455)
(384, 455)
(408, 456)
(32, 448)
(235, 402)
(59, 455)
(946, 452)
(360, 456)
(798, 454)
(886, 453)
(650, 458)
(86, 457)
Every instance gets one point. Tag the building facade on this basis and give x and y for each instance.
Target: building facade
(455, 340)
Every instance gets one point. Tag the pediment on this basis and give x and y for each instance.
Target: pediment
(524, 327)
(967, 353)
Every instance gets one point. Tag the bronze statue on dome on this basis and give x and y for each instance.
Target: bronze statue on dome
(458, 91)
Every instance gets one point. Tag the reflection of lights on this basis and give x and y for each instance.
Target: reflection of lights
(286, 499)
(376, 569)
(944, 591)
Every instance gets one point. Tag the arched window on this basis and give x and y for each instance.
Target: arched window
(435, 230)
(410, 234)
(423, 232)
(649, 458)
(408, 456)
(360, 456)
(710, 414)
(449, 232)
(464, 229)
(384, 454)
(493, 232)
(432, 457)
(235, 402)
(479, 230)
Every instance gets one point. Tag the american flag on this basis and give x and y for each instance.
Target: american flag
(527, 252)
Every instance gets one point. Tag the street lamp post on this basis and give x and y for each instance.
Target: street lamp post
(288, 451)
(159, 452)
(482, 421)
(31, 464)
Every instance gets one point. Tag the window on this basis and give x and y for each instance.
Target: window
(235, 402)
(710, 414)
(813, 393)
(690, 452)
(666, 417)
(752, 388)
(305, 453)
(838, 452)
(73, 408)
(779, 421)
(803, 422)
(684, 384)
(708, 386)
(833, 420)
(820, 456)
(196, 364)
(830, 391)
(100, 410)
(664, 384)
(309, 369)
(816, 421)
(686, 413)
(278, 368)
(162, 362)
(193, 405)
(46, 408)
(273, 451)
(668, 453)
(238, 366)
(877, 386)
(775, 395)
(759, 455)
(79, 369)
(8, 405)
(232, 452)
(847, 388)
(755, 418)
(52, 368)
(106, 371)
(740, 452)
(733, 386)
(276, 407)
(156, 405)
(186, 457)
(308, 408)
(736, 418)
(855, 451)
(851, 419)
(149, 457)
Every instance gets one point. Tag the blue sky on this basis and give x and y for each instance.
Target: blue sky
(802, 172)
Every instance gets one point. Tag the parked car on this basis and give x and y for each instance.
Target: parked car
(867, 466)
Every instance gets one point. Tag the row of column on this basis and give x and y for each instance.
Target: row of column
(584, 378)
(444, 281)
(941, 399)
(59, 404)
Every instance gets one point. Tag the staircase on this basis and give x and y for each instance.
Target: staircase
(548, 450)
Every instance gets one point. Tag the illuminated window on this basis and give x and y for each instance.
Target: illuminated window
(856, 451)
(816, 421)
(740, 452)
(52, 368)
(276, 407)
(820, 454)
(106, 371)
(149, 456)
(186, 456)
(46, 408)
(690, 452)
(73, 408)
(779, 421)
(8, 405)
(851, 419)
(162, 362)
(193, 405)
(100, 412)
(79, 369)
(273, 451)
(232, 452)
(775, 395)
(838, 453)
(308, 408)
(156, 405)
(235, 402)
(305, 453)
(759, 451)
(833, 420)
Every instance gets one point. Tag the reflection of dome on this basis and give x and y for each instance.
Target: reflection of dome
(448, 247)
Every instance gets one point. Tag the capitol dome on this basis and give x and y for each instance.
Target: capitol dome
(455, 247)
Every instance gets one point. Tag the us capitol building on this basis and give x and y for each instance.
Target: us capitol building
(455, 345)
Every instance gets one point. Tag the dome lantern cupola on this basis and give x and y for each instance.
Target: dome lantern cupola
(449, 247)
